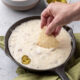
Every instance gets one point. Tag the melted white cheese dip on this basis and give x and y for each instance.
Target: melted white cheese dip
(23, 42)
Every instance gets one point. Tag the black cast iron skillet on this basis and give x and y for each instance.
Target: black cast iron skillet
(60, 69)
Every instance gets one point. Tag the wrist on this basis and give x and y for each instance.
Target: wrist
(76, 11)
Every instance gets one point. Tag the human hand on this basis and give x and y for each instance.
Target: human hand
(56, 15)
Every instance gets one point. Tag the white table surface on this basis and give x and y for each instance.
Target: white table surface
(9, 17)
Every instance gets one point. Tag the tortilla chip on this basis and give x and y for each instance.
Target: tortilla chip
(46, 41)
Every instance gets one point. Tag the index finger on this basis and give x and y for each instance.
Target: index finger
(44, 16)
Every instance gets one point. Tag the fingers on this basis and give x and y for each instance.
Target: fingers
(57, 31)
(43, 21)
(44, 16)
(49, 20)
(51, 27)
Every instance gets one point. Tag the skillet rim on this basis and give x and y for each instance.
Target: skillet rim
(68, 29)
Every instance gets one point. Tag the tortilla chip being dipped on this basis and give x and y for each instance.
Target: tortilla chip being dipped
(47, 41)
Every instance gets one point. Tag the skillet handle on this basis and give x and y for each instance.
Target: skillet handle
(60, 71)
